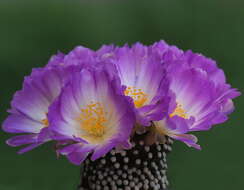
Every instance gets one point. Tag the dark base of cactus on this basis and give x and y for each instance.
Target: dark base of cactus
(142, 167)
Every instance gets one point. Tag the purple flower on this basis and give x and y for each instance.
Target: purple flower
(200, 95)
(145, 82)
(89, 102)
(223, 94)
(29, 108)
(93, 113)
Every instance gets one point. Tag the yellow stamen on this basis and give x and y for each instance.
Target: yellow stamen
(45, 122)
(138, 96)
(93, 119)
(179, 111)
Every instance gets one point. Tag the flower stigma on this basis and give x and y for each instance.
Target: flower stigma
(138, 96)
(93, 119)
(179, 111)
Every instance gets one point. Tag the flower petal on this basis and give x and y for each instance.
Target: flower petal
(29, 148)
(18, 123)
(21, 140)
(78, 156)
(102, 150)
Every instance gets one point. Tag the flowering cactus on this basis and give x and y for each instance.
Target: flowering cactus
(90, 102)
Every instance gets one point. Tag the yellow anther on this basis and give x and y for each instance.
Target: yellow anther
(45, 122)
(138, 96)
(179, 111)
(93, 119)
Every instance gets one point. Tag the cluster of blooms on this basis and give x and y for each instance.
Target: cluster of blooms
(90, 102)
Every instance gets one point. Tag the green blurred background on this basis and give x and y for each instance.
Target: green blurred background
(31, 31)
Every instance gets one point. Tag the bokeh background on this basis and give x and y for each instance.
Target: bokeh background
(31, 31)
